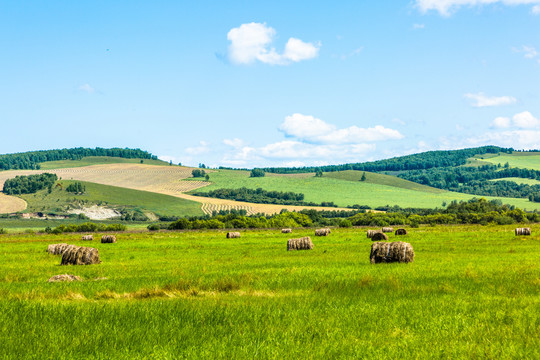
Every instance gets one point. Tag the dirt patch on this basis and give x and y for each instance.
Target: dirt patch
(96, 212)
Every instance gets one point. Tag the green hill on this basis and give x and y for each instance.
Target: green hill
(342, 189)
(112, 196)
(97, 160)
(524, 160)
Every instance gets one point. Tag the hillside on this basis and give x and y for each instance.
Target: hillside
(524, 160)
(97, 160)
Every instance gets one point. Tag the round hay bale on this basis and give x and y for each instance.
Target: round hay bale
(108, 239)
(57, 249)
(378, 236)
(322, 232)
(64, 277)
(88, 237)
(286, 231)
(388, 252)
(233, 235)
(401, 232)
(79, 255)
(370, 233)
(387, 229)
(303, 243)
(523, 231)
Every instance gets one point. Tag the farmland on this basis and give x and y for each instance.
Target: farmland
(472, 292)
(97, 160)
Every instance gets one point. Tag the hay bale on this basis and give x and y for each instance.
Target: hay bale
(286, 231)
(303, 243)
(387, 229)
(378, 236)
(88, 237)
(523, 231)
(57, 249)
(322, 232)
(64, 277)
(370, 233)
(401, 232)
(80, 255)
(108, 239)
(387, 252)
(233, 235)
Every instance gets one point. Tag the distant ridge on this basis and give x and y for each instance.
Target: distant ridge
(30, 160)
(425, 160)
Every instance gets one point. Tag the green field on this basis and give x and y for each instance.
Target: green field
(341, 188)
(519, 180)
(111, 196)
(96, 160)
(520, 160)
(472, 292)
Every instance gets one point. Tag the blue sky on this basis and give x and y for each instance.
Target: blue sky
(258, 83)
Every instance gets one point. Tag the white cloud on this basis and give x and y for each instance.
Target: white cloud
(529, 52)
(535, 9)
(521, 139)
(196, 150)
(313, 130)
(501, 122)
(447, 7)
(252, 42)
(87, 88)
(418, 26)
(525, 120)
(235, 143)
(482, 100)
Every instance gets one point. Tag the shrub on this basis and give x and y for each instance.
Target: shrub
(153, 227)
(257, 173)
(345, 223)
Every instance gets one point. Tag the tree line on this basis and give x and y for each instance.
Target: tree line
(31, 160)
(425, 160)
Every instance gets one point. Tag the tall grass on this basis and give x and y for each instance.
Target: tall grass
(472, 292)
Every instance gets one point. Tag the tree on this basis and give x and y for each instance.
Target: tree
(257, 173)
(207, 177)
(319, 173)
(363, 178)
(198, 173)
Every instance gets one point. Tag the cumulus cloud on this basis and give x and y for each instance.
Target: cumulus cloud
(253, 42)
(501, 122)
(482, 100)
(522, 139)
(314, 130)
(525, 120)
(200, 149)
(87, 88)
(235, 143)
(536, 9)
(447, 7)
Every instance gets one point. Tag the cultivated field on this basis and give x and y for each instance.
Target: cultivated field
(11, 204)
(472, 292)
(97, 160)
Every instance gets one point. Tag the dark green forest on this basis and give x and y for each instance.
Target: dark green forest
(30, 160)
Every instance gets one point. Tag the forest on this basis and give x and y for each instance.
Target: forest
(29, 184)
(31, 160)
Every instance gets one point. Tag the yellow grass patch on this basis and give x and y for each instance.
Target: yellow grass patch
(11, 204)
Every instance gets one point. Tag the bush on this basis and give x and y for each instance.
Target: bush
(3, 231)
(257, 173)
(153, 227)
(345, 223)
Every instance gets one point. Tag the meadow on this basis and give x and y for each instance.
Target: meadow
(526, 160)
(472, 292)
(345, 189)
(112, 196)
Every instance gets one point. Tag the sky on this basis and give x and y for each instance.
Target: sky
(270, 83)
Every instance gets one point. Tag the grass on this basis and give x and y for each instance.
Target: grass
(519, 180)
(472, 292)
(344, 191)
(111, 196)
(520, 160)
(97, 160)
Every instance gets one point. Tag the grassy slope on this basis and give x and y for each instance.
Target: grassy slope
(519, 160)
(519, 180)
(381, 179)
(114, 196)
(345, 192)
(96, 160)
(472, 292)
